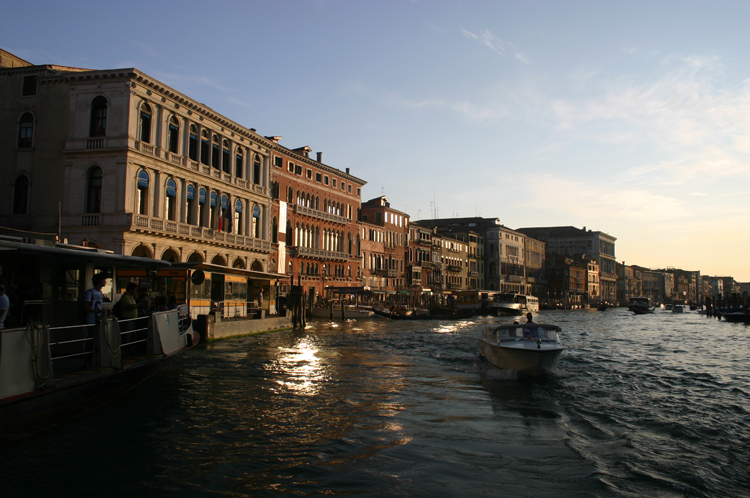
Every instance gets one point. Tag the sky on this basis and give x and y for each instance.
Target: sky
(631, 118)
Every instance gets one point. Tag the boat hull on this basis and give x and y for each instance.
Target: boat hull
(460, 315)
(523, 357)
(352, 313)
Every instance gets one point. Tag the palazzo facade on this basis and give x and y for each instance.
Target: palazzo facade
(118, 160)
(314, 222)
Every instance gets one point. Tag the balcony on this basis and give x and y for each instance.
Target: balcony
(453, 268)
(170, 157)
(307, 252)
(169, 228)
(314, 213)
(19, 221)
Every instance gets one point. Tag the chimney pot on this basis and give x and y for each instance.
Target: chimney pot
(320, 157)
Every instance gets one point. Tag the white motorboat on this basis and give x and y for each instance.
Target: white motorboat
(510, 303)
(528, 348)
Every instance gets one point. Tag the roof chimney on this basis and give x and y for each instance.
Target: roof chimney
(320, 157)
(347, 171)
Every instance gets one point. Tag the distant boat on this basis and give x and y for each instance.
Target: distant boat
(678, 308)
(350, 312)
(422, 314)
(511, 303)
(640, 305)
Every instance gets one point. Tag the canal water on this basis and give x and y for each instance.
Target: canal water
(647, 405)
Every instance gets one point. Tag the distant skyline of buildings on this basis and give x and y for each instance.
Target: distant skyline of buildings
(115, 159)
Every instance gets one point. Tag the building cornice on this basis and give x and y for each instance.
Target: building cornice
(311, 162)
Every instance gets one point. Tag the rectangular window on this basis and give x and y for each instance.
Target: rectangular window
(291, 167)
(298, 169)
(278, 161)
(333, 183)
(29, 86)
(309, 174)
(204, 151)
(318, 177)
(193, 147)
(349, 189)
(325, 180)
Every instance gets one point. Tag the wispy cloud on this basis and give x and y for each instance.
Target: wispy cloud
(496, 44)
(469, 110)
(147, 49)
(704, 128)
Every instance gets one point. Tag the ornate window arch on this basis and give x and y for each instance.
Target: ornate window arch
(239, 162)
(142, 185)
(26, 131)
(21, 189)
(170, 201)
(256, 169)
(193, 143)
(205, 153)
(226, 163)
(215, 153)
(174, 134)
(98, 121)
(145, 123)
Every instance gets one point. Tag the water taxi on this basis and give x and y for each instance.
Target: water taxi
(51, 361)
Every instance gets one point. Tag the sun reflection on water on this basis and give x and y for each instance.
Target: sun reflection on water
(302, 371)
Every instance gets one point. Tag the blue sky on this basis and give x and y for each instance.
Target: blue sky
(632, 118)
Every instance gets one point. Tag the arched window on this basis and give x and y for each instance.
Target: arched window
(225, 163)
(98, 124)
(201, 207)
(170, 201)
(193, 143)
(142, 200)
(256, 221)
(225, 220)
(146, 124)
(204, 147)
(256, 170)
(26, 131)
(190, 207)
(238, 160)
(275, 231)
(213, 210)
(21, 195)
(94, 190)
(174, 134)
(215, 156)
(238, 217)
(289, 234)
(290, 195)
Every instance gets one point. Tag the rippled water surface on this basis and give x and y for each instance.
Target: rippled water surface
(649, 405)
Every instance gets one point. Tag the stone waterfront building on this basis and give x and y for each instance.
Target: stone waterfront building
(119, 160)
(583, 244)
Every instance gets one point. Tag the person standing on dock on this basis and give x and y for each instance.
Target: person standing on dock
(94, 299)
(4, 304)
